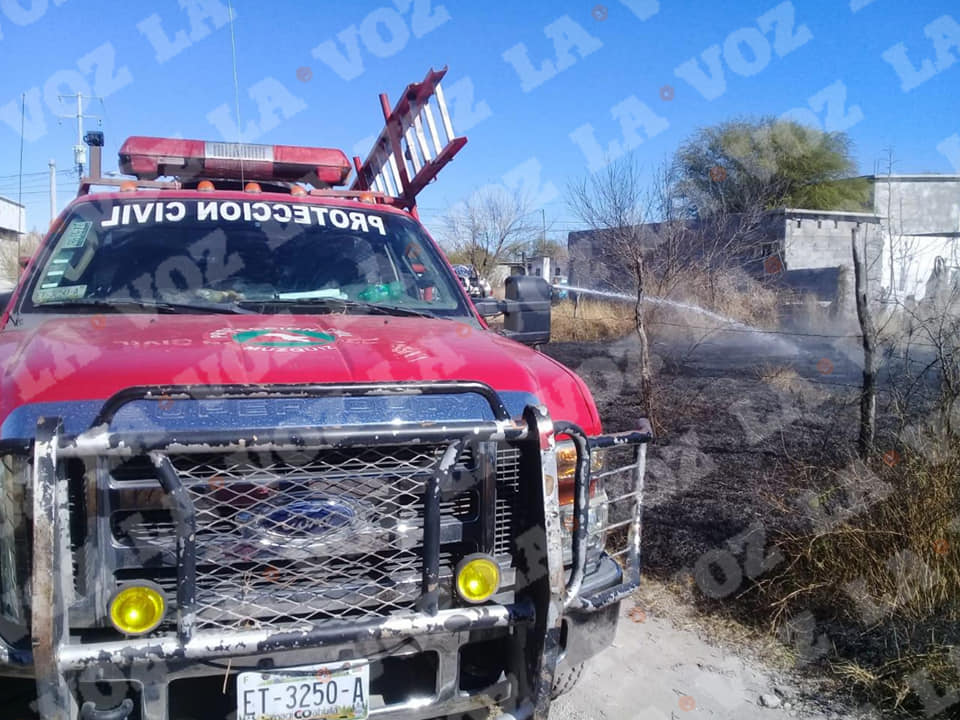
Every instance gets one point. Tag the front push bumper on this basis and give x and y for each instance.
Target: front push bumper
(559, 615)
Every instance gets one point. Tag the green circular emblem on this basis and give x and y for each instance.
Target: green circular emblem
(285, 337)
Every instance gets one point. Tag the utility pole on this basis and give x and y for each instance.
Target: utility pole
(80, 150)
(53, 190)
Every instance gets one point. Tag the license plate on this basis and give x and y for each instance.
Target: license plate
(335, 691)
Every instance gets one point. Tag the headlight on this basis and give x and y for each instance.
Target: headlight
(566, 470)
(567, 460)
(596, 537)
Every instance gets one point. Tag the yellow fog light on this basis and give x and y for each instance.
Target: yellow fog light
(478, 578)
(137, 609)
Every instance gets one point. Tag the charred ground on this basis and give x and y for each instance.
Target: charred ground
(753, 471)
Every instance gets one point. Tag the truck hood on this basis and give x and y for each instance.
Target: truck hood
(86, 359)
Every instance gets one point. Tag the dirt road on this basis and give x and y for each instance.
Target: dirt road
(656, 671)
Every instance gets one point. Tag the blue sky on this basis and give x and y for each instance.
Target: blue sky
(632, 58)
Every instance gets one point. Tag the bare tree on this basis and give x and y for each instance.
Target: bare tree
(934, 326)
(710, 243)
(490, 225)
(613, 203)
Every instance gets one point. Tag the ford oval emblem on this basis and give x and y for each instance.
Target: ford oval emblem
(310, 517)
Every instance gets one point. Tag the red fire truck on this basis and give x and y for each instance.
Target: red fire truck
(263, 458)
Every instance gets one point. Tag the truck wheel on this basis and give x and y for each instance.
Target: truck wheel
(565, 680)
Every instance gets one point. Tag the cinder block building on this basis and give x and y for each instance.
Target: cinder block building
(913, 227)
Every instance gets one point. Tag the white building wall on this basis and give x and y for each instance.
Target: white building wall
(920, 212)
(12, 217)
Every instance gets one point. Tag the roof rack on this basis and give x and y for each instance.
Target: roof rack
(89, 182)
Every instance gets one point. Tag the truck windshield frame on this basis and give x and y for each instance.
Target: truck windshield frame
(180, 253)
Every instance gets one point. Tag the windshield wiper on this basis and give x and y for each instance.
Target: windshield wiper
(159, 306)
(334, 304)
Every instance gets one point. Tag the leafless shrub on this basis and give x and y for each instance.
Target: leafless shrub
(926, 338)
(488, 226)
(614, 204)
(11, 251)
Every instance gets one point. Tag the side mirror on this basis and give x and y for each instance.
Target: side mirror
(23, 261)
(526, 310)
(5, 299)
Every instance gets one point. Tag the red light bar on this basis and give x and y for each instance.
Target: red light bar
(148, 158)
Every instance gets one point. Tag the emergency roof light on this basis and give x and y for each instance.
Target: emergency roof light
(148, 158)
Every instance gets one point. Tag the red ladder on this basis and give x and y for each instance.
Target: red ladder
(412, 147)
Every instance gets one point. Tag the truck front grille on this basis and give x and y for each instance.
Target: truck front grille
(329, 534)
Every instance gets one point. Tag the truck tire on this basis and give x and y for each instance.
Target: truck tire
(565, 680)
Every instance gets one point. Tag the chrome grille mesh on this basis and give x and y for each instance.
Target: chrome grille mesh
(325, 534)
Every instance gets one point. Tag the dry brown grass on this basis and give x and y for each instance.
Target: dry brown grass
(729, 292)
(593, 321)
(781, 377)
(884, 565)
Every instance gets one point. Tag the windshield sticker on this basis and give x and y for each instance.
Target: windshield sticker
(76, 234)
(230, 211)
(55, 294)
(283, 338)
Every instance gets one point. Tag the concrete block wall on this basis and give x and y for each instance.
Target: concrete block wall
(924, 219)
(816, 243)
(919, 204)
(823, 240)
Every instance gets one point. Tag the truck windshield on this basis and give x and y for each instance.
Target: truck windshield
(241, 256)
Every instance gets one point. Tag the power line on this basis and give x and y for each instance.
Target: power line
(35, 178)
(67, 188)
(33, 188)
(10, 187)
(16, 175)
(46, 191)
(13, 178)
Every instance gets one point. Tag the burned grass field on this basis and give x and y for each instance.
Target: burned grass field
(761, 520)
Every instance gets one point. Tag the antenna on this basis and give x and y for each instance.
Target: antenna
(236, 82)
(20, 213)
(80, 150)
